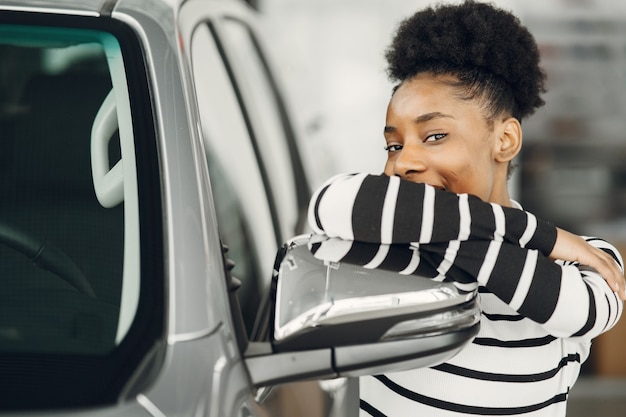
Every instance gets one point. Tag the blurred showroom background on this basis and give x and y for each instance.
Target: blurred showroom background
(330, 54)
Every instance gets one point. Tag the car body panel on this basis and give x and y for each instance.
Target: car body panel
(185, 196)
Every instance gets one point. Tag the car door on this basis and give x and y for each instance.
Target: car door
(261, 190)
(257, 176)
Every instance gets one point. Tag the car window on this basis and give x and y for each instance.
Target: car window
(49, 204)
(246, 219)
(70, 253)
(269, 124)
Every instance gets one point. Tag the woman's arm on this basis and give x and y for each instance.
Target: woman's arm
(463, 239)
(566, 298)
(382, 209)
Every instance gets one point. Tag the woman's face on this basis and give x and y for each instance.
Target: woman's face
(435, 137)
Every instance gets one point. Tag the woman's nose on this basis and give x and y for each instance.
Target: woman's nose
(410, 160)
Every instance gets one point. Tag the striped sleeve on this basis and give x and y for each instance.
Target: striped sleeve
(368, 220)
(389, 210)
(568, 300)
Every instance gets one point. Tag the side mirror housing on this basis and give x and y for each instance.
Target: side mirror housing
(332, 319)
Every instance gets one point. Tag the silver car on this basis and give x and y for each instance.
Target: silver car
(151, 185)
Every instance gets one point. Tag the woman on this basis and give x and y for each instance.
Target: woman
(467, 75)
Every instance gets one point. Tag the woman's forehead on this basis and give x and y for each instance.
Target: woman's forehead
(434, 97)
(427, 91)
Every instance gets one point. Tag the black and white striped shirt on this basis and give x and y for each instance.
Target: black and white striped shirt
(539, 316)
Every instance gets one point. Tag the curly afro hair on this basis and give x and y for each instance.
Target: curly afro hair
(493, 56)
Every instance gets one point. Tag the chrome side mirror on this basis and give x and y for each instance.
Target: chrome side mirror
(321, 303)
(333, 320)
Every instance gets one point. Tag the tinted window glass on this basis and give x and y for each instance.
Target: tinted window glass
(61, 253)
(70, 293)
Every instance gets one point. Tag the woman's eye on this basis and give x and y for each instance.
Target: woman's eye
(393, 148)
(435, 137)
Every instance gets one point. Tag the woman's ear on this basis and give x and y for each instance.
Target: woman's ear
(509, 142)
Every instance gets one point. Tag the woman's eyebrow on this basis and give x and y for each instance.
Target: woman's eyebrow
(422, 119)
(430, 116)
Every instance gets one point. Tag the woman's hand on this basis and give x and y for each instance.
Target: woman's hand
(570, 247)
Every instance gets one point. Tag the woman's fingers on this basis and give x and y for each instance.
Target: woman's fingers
(613, 275)
(606, 267)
